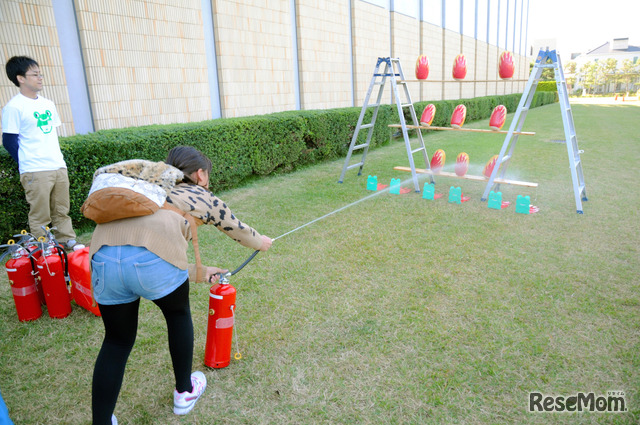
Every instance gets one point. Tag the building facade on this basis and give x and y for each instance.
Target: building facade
(626, 75)
(115, 64)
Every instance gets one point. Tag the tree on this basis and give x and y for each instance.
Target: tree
(609, 69)
(629, 72)
(588, 76)
(570, 74)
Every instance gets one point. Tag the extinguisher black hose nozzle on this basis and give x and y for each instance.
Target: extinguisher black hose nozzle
(245, 263)
(226, 275)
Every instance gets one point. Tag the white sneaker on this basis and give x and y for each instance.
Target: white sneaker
(114, 421)
(184, 402)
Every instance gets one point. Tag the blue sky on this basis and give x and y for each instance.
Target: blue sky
(579, 25)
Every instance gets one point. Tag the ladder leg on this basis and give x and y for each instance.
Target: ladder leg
(516, 126)
(403, 123)
(360, 126)
(575, 163)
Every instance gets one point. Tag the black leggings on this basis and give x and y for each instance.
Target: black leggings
(121, 325)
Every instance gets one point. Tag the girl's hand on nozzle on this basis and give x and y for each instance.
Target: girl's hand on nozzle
(266, 243)
(213, 274)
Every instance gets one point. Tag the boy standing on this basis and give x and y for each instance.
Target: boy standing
(29, 134)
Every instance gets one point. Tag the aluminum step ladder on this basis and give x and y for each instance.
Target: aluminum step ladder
(393, 71)
(545, 59)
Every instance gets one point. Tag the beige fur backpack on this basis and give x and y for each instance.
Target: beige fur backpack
(135, 188)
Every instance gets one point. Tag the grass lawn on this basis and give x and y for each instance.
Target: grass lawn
(396, 310)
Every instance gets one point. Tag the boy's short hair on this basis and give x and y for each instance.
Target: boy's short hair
(19, 65)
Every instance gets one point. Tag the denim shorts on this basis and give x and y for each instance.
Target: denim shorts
(123, 274)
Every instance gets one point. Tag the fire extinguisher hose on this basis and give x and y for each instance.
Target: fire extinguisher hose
(240, 267)
(245, 263)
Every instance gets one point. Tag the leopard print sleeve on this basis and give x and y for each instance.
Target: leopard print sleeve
(204, 205)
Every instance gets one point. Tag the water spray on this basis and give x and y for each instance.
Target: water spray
(225, 276)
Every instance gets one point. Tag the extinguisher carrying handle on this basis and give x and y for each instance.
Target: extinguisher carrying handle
(226, 275)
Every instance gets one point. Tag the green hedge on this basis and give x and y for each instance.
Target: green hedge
(240, 148)
(547, 86)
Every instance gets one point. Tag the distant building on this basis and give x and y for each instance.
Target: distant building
(618, 49)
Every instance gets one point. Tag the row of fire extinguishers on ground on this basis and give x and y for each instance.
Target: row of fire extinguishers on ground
(41, 273)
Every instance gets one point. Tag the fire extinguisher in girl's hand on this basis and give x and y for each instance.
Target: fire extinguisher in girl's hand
(222, 303)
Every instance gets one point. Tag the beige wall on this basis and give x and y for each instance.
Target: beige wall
(324, 53)
(370, 41)
(481, 71)
(255, 56)
(432, 45)
(30, 30)
(405, 36)
(146, 62)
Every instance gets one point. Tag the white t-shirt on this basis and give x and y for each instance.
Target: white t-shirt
(35, 122)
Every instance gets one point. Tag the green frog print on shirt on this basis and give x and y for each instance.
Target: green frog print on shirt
(44, 121)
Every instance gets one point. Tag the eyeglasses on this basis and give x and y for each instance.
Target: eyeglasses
(35, 75)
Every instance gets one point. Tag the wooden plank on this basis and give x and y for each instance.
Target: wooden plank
(468, 177)
(476, 130)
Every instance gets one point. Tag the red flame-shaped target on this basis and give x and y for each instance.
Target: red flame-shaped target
(462, 164)
(422, 67)
(437, 161)
(506, 67)
(459, 67)
(488, 168)
(428, 114)
(458, 116)
(498, 116)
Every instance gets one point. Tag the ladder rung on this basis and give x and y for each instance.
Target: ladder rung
(378, 83)
(582, 188)
(355, 165)
(505, 158)
(404, 105)
(366, 125)
(417, 150)
(373, 105)
(364, 145)
(576, 162)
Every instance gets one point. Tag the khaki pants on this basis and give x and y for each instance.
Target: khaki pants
(47, 193)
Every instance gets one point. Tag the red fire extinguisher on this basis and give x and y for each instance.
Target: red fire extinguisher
(53, 274)
(222, 299)
(80, 275)
(28, 242)
(23, 284)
